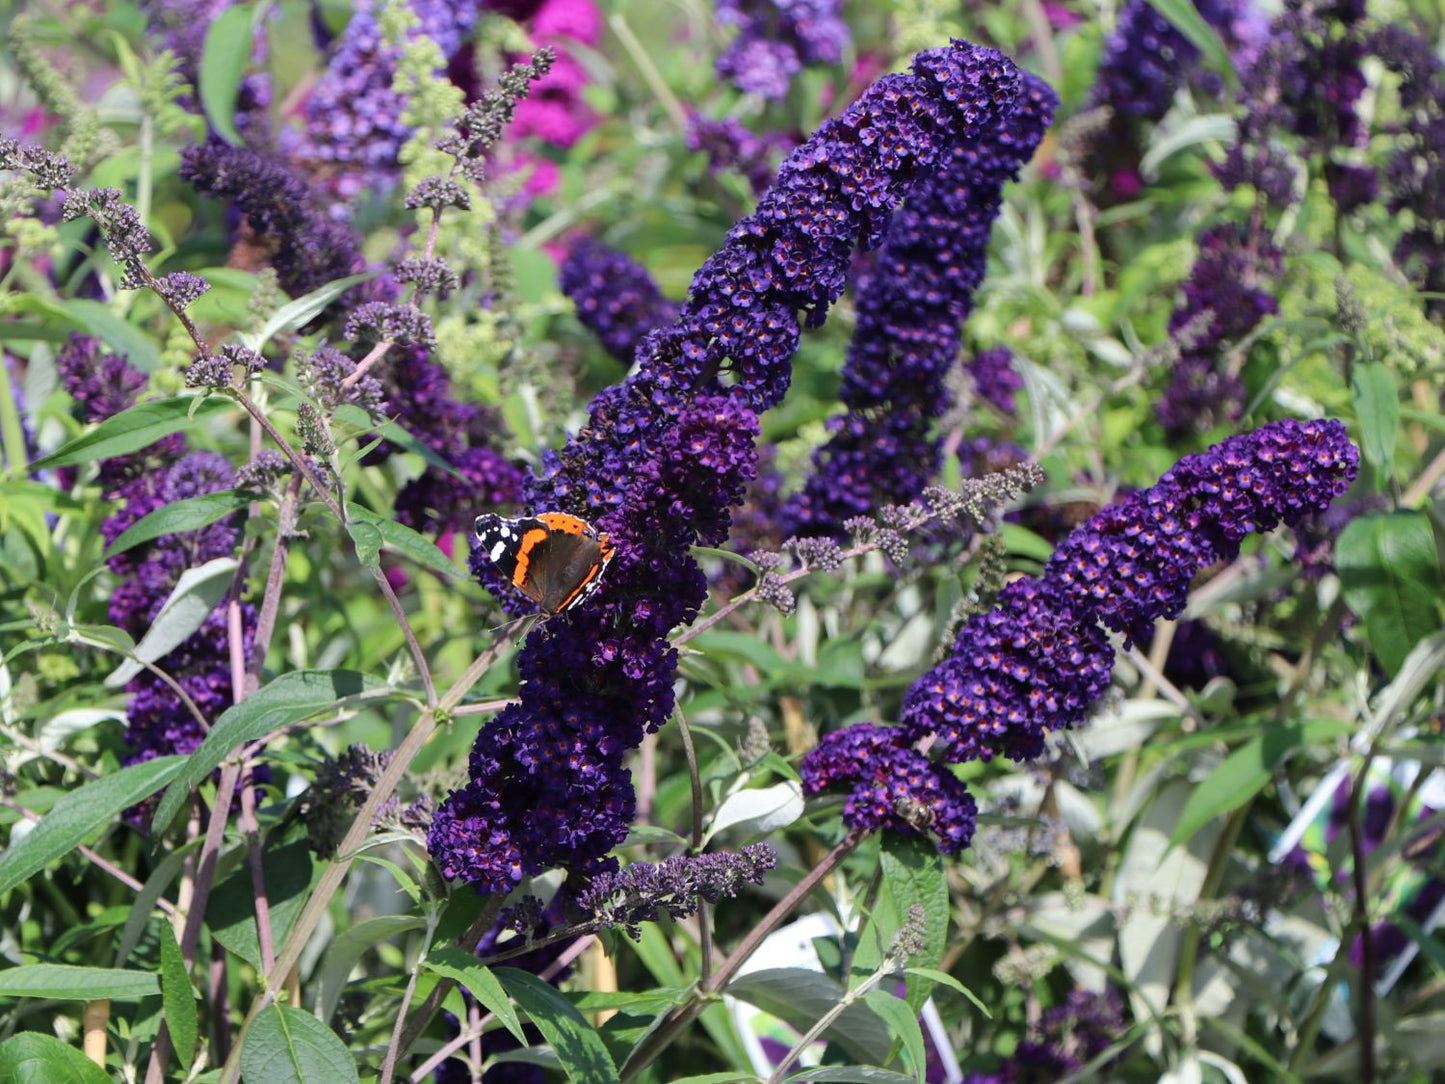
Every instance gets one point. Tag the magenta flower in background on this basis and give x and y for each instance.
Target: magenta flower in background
(664, 458)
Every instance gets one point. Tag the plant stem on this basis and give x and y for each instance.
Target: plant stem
(393, 1050)
(1366, 979)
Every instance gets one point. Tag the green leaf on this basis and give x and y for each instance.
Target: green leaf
(191, 601)
(124, 338)
(403, 540)
(1377, 405)
(188, 515)
(1187, 20)
(1389, 569)
(231, 912)
(133, 429)
(800, 996)
(288, 699)
(912, 873)
(178, 999)
(578, 1046)
(348, 948)
(307, 307)
(368, 541)
(850, 1074)
(902, 1021)
(66, 983)
(81, 813)
(289, 1046)
(1246, 771)
(945, 979)
(33, 1058)
(223, 62)
(462, 966)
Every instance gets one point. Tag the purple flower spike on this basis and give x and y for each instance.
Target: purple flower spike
(1039, 659)
(616, 298)
(665, 456)
(892, 785)
(994, 379)
(908, 335)
(1225, 283)
(307, 249)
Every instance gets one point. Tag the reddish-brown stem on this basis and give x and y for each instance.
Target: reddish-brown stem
(271, 596)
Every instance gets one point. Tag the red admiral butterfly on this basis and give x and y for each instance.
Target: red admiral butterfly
(556, 560)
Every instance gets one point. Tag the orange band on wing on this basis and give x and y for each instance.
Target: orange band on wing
(529, 542)
(561, 521)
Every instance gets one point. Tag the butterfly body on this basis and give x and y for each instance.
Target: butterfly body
(553, 558)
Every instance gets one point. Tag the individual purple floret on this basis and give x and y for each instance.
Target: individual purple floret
(994, 378)
(616, 299)
(665, 456)
(305, 246)
(777, 39)
(644, 891)
(731, 147)
(1226, 282)
(891, 785)
(1039, 660)
(908, 334)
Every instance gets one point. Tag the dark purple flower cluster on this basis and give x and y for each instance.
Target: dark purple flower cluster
(1417, 189)
(439, 501)
(676, 886)
(663, 458)
(353, 117)
(908, 334)
(1146, 61)
(1227, 283)
(994, 378)
(1040, 659)
(159, 720)
(339, 789)
(1306, 80)
(282, 221)
(890, 784)
(1064, 1040)
(777, 39)
(478, 477)
(101, 383)
(731, 147)
(616, 299)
